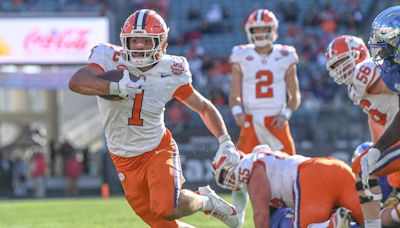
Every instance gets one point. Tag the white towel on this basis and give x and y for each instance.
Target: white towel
(264, 135)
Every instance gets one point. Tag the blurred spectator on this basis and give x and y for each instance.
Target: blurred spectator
(193, 14)
(19, 177)
(288, 10)
(213, 20)
(53, 154)
(73, 170)
(38, 173)
(195, 58)
(5, 176)
(160, 6)
(66, 149)
(86, 160)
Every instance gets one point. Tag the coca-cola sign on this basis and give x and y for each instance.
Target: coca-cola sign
(71, 39)
(51, 40)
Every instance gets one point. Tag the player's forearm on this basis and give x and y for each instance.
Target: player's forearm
(88, 85)
(213, 120)
(391, 135)
(294, 102)
(234, 100)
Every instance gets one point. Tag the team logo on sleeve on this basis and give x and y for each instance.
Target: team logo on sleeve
(249, 58)
(177, 68)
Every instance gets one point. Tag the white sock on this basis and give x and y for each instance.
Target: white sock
(373, 223)
(319, 225)
(240, 199)
(394, 214)
(207, 204)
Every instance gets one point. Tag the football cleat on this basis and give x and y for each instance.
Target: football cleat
(221, 209)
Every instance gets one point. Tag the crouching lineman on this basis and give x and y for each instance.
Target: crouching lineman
(312, 187)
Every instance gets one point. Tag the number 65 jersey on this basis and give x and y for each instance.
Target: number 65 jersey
(263, 82)
(135, 126)
(381, 107)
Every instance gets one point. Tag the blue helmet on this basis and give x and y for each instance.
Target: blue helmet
(361, 148)
(384, 39)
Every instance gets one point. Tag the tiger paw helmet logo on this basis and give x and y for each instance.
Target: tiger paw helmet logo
(4, 48)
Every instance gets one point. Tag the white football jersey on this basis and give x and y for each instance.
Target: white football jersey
(133, 127)
(381, 107)
(263, 84)
(281, 170)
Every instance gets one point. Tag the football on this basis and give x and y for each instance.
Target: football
(114, 76)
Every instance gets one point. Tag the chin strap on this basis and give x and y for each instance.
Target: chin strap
(369, 196)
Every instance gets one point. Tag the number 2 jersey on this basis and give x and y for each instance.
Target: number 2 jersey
(381, 107)
(263, 82)
(281, 170)
(135, 126)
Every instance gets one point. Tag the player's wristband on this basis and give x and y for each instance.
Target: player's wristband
(224, 138)
(114, 88)
(287, 113)
(236, 110)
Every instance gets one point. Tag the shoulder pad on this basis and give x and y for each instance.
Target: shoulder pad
(288, 52)
(106, 48)
(238, 52)
(178, 66)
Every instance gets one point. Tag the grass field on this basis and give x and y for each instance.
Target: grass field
(85, 213)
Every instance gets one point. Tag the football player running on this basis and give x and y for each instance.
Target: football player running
(312, 187)
(142, 149)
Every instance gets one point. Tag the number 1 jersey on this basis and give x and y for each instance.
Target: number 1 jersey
(135, 126)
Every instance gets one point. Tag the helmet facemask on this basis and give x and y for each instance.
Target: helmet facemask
(261, 39)
(341, 67)
(146, 57)
(381, 51)
(226, 178)
(384, 39)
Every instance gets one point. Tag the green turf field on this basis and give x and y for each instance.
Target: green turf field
(85, 213)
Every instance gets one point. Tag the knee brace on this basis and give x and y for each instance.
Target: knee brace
(369, 196)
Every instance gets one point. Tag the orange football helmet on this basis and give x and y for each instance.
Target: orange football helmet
(144, 23)
(343, 54)
(265, 19)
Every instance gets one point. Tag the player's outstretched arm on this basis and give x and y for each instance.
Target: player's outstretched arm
(260, 195)
(84, 81)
